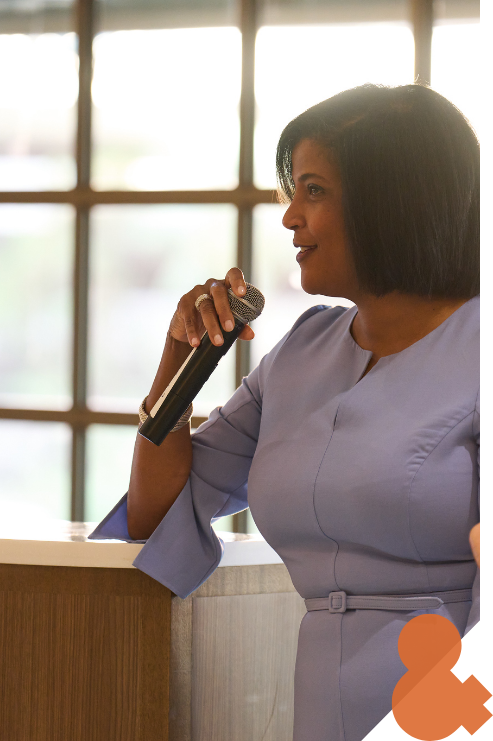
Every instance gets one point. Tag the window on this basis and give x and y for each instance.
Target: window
(136, 159)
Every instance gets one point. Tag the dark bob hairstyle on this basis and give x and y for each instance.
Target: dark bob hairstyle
(409, 163)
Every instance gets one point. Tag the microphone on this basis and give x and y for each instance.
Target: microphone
(198, 367)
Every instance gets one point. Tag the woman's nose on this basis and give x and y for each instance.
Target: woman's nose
(292, 218)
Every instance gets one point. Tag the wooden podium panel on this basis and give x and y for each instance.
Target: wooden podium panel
(84, 654)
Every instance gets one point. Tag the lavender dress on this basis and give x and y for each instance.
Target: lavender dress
(363, 485)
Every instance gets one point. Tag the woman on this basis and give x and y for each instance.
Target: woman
(358, 433)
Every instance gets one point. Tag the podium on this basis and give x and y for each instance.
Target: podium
(92, 649)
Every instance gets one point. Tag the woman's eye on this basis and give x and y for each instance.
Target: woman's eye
(314, 190)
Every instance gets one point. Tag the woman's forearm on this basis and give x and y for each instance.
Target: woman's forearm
(159, 473)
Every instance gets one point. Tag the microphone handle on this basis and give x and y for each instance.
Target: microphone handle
(196, 370)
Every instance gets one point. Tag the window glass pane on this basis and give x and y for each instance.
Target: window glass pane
(144, 258)
(36, 258)
(456, 66)
(309, 12)
(166, 99)
(277, 274)
(224, 525)
(456, 10)
(109, 458)
(323, 60)
(38, 94)
(34, 471)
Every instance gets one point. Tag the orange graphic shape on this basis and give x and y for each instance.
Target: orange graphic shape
(429, 702)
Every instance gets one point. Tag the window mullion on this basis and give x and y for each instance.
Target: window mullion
(248, 25)
(422, 18)
(85, 22)
(85, 13)
(247, 124)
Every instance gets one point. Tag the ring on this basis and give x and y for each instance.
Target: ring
(202, 298)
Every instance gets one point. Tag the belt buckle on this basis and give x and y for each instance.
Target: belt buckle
(337, 602)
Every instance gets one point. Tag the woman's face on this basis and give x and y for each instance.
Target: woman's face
(315, 215)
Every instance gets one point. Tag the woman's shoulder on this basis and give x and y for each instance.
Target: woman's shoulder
(329, 315)
(305, 330)
(457, 339)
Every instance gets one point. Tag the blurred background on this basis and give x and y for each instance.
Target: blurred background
(137, 158)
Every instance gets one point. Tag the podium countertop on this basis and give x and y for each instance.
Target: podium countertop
(65, 543)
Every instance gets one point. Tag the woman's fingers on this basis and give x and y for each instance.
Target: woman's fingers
(237, 283)
(235, 280)
(209, 314)
(246, 333)
(190, 320)
(219, 293)
(214, 315)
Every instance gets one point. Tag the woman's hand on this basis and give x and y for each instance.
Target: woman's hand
(189, 324)
(481, 540)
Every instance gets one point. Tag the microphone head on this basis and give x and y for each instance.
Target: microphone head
(249, 307)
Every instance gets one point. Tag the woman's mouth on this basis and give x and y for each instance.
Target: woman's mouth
(304, 251)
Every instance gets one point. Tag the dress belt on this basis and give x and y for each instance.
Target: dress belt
(339, 602)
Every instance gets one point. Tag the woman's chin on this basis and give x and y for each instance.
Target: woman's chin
(313, 285)
(308, 283)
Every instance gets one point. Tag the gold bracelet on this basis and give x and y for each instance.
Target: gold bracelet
(184, 419)
(142, 412)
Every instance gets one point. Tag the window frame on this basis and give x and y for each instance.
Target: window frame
(82, 197)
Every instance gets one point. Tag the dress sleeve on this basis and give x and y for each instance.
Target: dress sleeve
(474, 613)
(184, 549)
